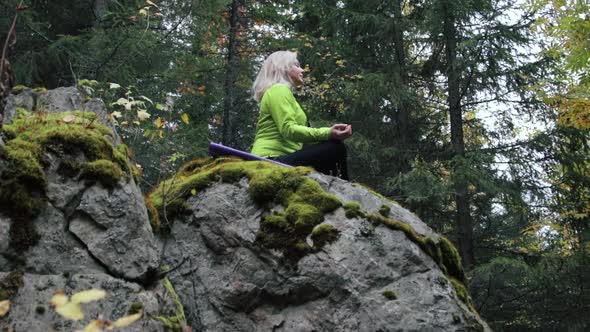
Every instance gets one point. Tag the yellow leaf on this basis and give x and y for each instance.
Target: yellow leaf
(59, 299)
(151, 3)
(161, 133)
(184, 118)
(4, 308)
(94, 326)
(193, 192)
(124, 123)
(142, 115)
(88, 296)
(69, 118)
(159, 123)
(326, 86)
(143, 12)
(125, 321)
(308, 45)
(70, 311)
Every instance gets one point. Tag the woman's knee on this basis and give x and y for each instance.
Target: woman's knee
(338, 148)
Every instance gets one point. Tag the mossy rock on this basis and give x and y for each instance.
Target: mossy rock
(23, 185)
(353, 210)
(303, 199)
(103, 171)
(324, 234)
(389, 295)
(10, 285)
(443, 253)
(384, 210)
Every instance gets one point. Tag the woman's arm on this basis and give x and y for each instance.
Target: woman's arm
(283, 109)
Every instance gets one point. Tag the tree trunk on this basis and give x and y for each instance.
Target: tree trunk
(100, 9)
(462, 217)
(7, 52)
(403, 111)
(231, 74)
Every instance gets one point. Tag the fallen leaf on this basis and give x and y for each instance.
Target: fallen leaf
(4, 307)
(94, 326)
(125, 321)
(89, 296)
(69, 118)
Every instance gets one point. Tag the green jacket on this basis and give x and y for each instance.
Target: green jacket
(282, 124)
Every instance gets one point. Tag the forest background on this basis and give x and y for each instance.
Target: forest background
(472, 114)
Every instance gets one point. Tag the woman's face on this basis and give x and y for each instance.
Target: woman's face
(296, 74)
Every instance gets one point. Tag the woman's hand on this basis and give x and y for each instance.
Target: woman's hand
(341, 131)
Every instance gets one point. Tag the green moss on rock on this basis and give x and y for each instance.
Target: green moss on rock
(384, 210)
(462, 293)
(389, 294)
(324, 234)
(102, 170)
(23, 183)
(443, 253)
(10, 285)
(134, 308)
(304, 200)
(153, 215)
(451, 259)
(353, 210)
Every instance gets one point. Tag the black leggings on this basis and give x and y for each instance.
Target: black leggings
(327, 157)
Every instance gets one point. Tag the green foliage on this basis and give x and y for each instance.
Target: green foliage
(517, 293)
(176, 322)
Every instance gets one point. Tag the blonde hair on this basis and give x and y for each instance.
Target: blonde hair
(275, 69)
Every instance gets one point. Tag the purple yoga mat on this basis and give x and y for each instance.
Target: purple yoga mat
(218, 150)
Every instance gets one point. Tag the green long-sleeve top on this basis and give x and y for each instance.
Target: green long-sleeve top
(282, 124)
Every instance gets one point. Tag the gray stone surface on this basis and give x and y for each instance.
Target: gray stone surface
(25, 99)
(113, 224)
(31, 310)
(61, 189)
(229, 283)
(348, 192)
(58, 251)
(4, 241)
(59, 100)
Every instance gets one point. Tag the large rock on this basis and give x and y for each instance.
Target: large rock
(112, 223)
(373, 277)
(230, 283)
(59, 100)
(85, 226)
(31, 310)
(57, 250)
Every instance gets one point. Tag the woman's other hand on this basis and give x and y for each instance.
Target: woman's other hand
(340, 131)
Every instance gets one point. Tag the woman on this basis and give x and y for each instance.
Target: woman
(282, 125)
